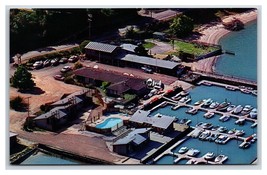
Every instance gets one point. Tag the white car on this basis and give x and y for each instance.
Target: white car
(65, 69)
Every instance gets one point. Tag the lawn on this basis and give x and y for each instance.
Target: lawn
(192, 48)
(148, 45)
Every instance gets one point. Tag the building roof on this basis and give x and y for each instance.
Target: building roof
(59, 112)
(128, 47)
(76, 96)
(108, 48)
(134, 136)
(150, 61)
(159, 121)
(159, 33)
(120, 87)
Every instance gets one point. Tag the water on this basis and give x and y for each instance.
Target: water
(244, 44)
(44, 159)
(231, 149)
(109, 123)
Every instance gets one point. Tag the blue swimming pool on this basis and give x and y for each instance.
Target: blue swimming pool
(109, 123)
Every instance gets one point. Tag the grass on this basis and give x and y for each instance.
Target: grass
(192, 48)
(148, 45)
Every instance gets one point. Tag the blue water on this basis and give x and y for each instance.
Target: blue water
(45, 159)
(244, 44)
(109, 123)
(231, 148)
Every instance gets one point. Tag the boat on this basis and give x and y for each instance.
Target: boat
(222, 129)
(184, 93)
(254, 92)
(246, 109)
(206, 125)
(224, 118)
(231, 88)
(212, 137)
(191, 111)
(176, 96)
(207, 83)
(238, 109)
(253, 125)
(185, 99)
(239, 132)
(232, 131)
(204, 135)
(240, 121)
(163, 104)
(183, 150)
(198, 102)
(209, 115)
(209, 156)
(244, 145)
(230, 108)
(253, 113)
(245, 91)
(220, 158)
(207, 102)
(196, 133)
(214, 105)
(175, 107)
(185, 121)
(221, 139)
(192, 152)
(223, 106)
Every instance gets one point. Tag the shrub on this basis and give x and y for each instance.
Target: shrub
(17, 104)
(78, 65)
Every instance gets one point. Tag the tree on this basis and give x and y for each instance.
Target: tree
(181, 26)
(17, 104)
(77, 65)
(140, 50)
(22, 79)
(82, 45)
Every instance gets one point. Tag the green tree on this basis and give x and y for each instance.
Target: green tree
(181, 26)
(77, 65)
(82, 45)
(140, 50)
(17, 104)
(22, 79)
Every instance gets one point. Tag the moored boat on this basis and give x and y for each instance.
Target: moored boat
(183, 150)
(214, 105)
(223, 106)
(192, 152)
(209, 115)
(231, 88)
(184, 93)
(239, 132)
(244, 145)
(230, 108)
(198, 102)
(220, 158)
(207, 102)
(224, 118)
(238, 109)
(209, 156)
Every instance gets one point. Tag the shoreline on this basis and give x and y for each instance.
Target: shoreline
(213, 35)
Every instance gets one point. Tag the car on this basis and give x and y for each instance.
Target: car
(73, 59)
(59, 77)
(63, 60)
(65, 69)
(55, 62)
(38, 64)
(130, 106)
(47, 62)
(147, 70)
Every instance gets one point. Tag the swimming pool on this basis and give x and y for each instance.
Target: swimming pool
(109, 123)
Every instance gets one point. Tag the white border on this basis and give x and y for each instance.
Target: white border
(134, 3)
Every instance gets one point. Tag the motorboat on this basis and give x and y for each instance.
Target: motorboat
(204, 135)
(244, 145)
(209, 115)
(198, 102)
(191, 111)
(184, 93)
(174, 107)
(192, 152)
(207, 83)
(185, 121)
(238, 109)
(207, 102)
(221, 139)
(220, 158)
(240, 121)
(185, 99)
(212, 137)
(163, 104)
(183, 150)
(245, 91)
(224, 118)
(232, 131)
(206, 125)
(230, 108)
(209, 156)
(176, 96)
(239, 132)
(253, 113)
(254, 92)
(223, 106)
(231, 88)
(246, 109)
(214, 105)
(254, 125)
(222, 129)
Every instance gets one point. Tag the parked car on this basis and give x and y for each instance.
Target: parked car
(59, 77)
(73, 59)
(65, 69)
(147, 70)
(63, 60)
(38, 64)
(130, 106)
(47, 63)
(55, 62)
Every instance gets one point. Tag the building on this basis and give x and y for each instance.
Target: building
(62, 111)
(134, 140)
(101, 52)
(119, 84)
(159, 123)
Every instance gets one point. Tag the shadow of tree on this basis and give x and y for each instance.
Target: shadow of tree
(34, 91)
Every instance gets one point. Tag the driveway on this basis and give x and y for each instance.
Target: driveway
(160, 47)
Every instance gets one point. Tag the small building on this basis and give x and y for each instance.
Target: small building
(101, 52)
(134, 140)
(128, 48)
(159, 35)
(159, 123)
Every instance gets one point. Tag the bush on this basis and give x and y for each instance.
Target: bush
(17, 104)
(78, 65)
(82, 45)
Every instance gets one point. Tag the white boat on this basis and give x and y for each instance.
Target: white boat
(255, 92)
(246, 109)
(176, 96)
(183, 150)
(191, 111)
(253, 125)
(231, 88)
(214, 105)
(232, 131)
(223, 106)
(224, 118)
(206, 125)
(207, 102)
(245, 91)
(238, 109)
(222, 129)
(192, 152)
(185, 99)
(244, 145)
(163, 104)
(207, 83)
(220, 158)
(184, 93)
(253, 113)
(209, 156)
(198, 102)
(221, 139)
(204, 135)
(230, 108)
(239, 132)
(240, 121)
(209, 114)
